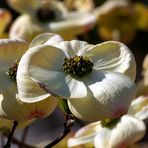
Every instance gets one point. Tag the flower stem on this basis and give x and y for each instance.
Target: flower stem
(25, 132)
(69, 121)
(15, 141)
(8, 144)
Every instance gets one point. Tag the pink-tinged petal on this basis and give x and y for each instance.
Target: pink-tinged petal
(108, 96)
(13, 109)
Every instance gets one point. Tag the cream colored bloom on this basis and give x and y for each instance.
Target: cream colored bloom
(94, 91)
(11, 107)
(116, 19)
(39, 16)
(124, 132)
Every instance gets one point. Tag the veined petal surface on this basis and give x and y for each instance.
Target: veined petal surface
(113, 56)
(108, 96)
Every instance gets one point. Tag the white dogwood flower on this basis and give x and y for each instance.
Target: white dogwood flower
(118, 134)
(39, 16)
(91, 77)
(11, 51)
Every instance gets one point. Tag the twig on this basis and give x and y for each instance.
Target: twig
(69, 121)
(15, 141)
(8, 144)
(25, 131)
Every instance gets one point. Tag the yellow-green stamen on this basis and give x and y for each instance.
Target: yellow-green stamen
(77, 65)
(13, 70)
(109, 122)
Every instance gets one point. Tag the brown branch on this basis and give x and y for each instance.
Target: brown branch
(8, 143)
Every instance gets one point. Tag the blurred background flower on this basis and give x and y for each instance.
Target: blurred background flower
(116, 19)
(48, 16)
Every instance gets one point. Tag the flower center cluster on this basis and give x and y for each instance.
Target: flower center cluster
(46, 14)
(77, 65)
(13, 70)
(109, 122)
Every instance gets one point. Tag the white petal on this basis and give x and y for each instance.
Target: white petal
(12, 50)
(113, 56)
(13, 109)
(25, 27)
(139, 107)
(57, 83)
(73, 24)
(102, 138)
(128, 131)
(108, 96)
(85, 134)
(29, 91)
(74, 47)
(45, 67)
(45, 38)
